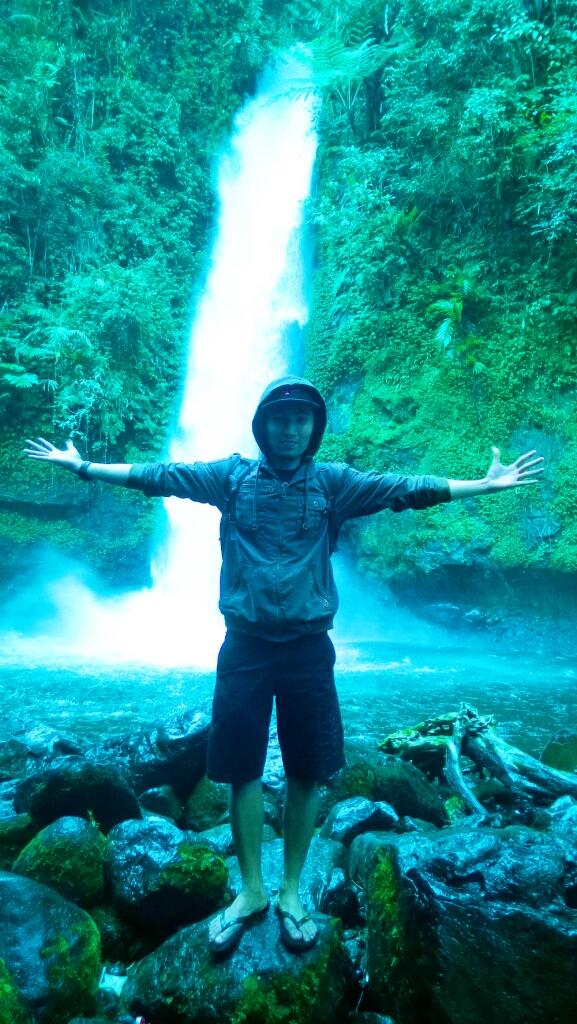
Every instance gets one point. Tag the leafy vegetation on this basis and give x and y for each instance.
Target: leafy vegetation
(447, 258)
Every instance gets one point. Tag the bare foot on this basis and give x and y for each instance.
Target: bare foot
(245, 904)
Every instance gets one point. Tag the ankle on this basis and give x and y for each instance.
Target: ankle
(288, 890)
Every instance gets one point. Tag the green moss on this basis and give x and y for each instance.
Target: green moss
(15, 832)
(72, 864)
(197, 870)
(398, 961)
(73, 969)
(12, 1008)
(305, 996)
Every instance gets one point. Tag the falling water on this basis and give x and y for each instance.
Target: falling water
(253, 294)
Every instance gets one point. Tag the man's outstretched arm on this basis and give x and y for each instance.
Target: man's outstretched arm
(524, 471)
(69, 458)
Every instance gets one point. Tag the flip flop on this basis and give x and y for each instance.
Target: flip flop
(235, 926)
(288, 939)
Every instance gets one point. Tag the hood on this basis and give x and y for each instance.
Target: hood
(269, 395)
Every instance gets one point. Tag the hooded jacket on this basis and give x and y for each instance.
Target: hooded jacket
(277, 535)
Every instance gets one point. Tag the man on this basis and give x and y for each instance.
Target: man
(280, 518)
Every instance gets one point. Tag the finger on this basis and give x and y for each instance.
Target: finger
(526, 455)
(496, 456)
(47, 444)
(533, 462)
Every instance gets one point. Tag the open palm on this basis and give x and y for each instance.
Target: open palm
(523, 471)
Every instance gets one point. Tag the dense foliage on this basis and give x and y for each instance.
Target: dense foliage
(444, 298)
(445, 309)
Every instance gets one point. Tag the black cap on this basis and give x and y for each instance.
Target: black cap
(294, 393)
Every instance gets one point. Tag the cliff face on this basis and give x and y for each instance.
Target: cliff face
(444, 287)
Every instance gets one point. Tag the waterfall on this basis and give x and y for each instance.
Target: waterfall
(253, 294)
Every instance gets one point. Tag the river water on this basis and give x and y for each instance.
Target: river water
(383, 686)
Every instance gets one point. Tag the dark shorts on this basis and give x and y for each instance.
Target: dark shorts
(299, 673)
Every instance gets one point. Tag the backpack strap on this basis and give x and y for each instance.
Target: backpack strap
(328, 475)
(239, 471)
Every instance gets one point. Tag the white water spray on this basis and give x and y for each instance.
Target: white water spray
(254, 291)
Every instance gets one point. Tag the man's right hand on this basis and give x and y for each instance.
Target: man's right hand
(68, 458)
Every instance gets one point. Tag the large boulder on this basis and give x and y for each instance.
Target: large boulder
(260, 981)
(78, 786)
(69, 856)
(50, 948)
(466, 926)
(160, 877)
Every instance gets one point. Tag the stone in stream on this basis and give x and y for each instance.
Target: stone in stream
(382, 777)
(470, 925)
(561, 751)
(77, 786)
(260, 981)
(50, 949)
(68, 855)
(170, 753)
(161, 800)
(350, 818)
(206, 805)
(161, 878)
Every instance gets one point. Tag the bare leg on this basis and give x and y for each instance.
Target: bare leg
(299, 822)
(246, 819)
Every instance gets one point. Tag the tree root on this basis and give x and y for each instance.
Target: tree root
(437, 745)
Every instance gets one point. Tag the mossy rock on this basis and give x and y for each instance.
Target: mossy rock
(161, 877)
(51, 949)
(68, 855)
(12, 1008)
(15, 832)
(206, 805)
(261, 983)
(381, 777)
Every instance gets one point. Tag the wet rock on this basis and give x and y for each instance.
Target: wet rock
(16, 830)
(260, 981)
(12, 1008)
(160, 877)
(220, 838)
(350, 818)
(382, 777)
(206, 805)
(67, 855)
(561, 751)
(161, 800)
(469, 925)
(50, 948)
(30, 746)
(77, 787)
(171, 753)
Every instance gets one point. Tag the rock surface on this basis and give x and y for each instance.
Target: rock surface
(260, 981)
(160, 877)
(470, 925)
(68, 855)
(51, 950)
(78, 786)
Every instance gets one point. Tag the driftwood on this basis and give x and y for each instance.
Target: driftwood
(437, 745)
